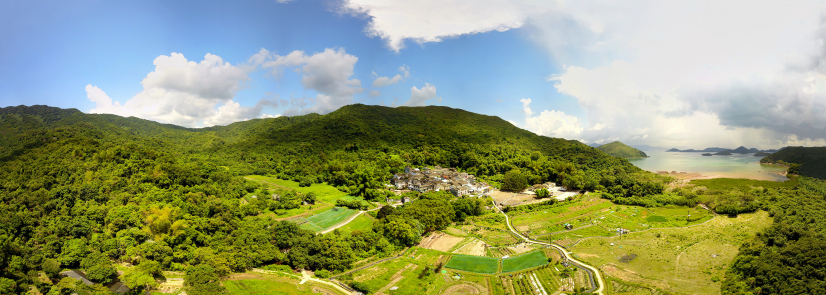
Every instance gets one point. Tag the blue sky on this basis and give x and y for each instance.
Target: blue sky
(678, 74)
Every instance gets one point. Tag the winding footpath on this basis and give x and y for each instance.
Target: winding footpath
(593, 273)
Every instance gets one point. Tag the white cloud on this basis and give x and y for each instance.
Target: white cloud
(327, 73)
(375, 93)
(432, 20)
(385, 81)
(643, 67)
(741, 75)
(551, 123)
(185, 93)
(419, 97)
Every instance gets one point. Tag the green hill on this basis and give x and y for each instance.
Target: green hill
(619, 149)
(812, 160)
(82, 190)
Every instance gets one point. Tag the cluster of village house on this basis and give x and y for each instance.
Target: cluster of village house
(439, 179)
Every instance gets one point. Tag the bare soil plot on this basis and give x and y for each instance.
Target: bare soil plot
(464, 288)
(440, 241)
(476, 248)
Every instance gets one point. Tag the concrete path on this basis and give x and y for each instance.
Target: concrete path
(346, 221)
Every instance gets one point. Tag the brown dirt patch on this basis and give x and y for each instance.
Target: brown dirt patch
(630, 276)
(246, 276)
(440, 242)
(475, 248)
(586, 255)
(370, 274)
(522, 248)
(464, 288)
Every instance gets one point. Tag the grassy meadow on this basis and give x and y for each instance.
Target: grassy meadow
(689, 260)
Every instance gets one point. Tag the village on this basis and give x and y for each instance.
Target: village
(439, 179)
(464, 184)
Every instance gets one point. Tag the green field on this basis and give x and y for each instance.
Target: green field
(477, 264)
(595, 217)
(690, 260)
(324, 220)
(525, 261)
(363, 223)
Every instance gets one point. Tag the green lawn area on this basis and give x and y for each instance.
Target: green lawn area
(324, 220)
(363, 222)
(477, 264)
(525, 261)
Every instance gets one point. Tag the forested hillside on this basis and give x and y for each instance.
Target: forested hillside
(811, 160)
(788, 258)
(88, 191)
(619, 149)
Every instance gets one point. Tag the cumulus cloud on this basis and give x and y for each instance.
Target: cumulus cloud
(327, 73)
(551, 123)
(384, 81)
(745, 74)
(432, 20)
(419, 97)
(740, 68)
(185, 93)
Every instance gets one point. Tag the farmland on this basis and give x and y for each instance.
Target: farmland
(363, 222)
(476, 264)
(595, 217)
(324, 219)
(525, 261)
(688, 260)
(326, 196)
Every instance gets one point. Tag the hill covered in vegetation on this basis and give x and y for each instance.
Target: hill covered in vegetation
(811, 161)
(619, 149)
(88, 190)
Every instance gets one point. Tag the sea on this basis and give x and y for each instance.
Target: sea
(734, 166)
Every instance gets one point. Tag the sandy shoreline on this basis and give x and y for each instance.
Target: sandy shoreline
(685, 177)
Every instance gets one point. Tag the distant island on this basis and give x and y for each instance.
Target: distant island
(708, 154)
(739, 150)
(723, 153)
(621, 150)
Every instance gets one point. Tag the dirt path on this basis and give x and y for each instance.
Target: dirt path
(304, 278)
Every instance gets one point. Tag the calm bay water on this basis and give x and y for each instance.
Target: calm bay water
(734, 166)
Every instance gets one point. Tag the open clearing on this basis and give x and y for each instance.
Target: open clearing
(476, 247)
(440, 241)
(477, 264)
(526, 261)
(681, 260)
(326, 196)
(253, 283)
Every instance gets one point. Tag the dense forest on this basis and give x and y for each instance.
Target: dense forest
(619, 149)
(811, 161)
(790, 256)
